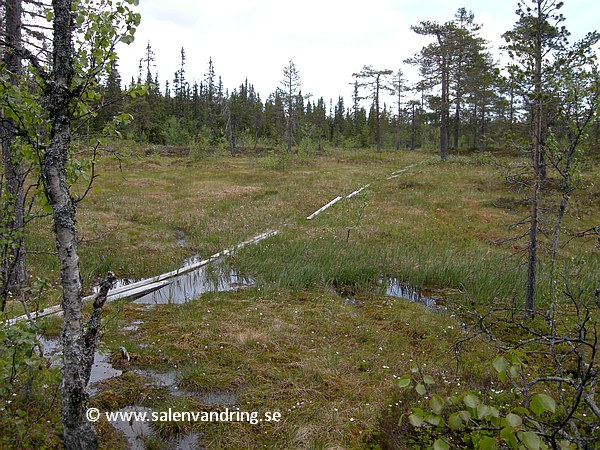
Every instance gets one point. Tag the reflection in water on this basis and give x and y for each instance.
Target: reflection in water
(102, 369)
(190, 286)
(138, 429)
(167, 380)
(399, 289)
(170, 381)
(135, 430)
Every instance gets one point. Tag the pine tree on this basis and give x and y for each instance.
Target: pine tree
(290, 89)
(435, 62)
(374, 81)
(468, 57)
(338, 125)
(111, 102)
(149, 60)
(400, 88)
(538, 45)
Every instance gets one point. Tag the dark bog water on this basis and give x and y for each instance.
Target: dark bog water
(170, 381)
(190, 286)
(399, 289)
(131, 423)
(102, 369)
(135, 430)
(218, 397)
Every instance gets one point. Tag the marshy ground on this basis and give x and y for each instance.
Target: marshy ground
(314, 336)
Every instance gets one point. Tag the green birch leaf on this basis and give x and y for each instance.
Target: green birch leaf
(436, 403)
(441, 444)
(500, 364)
(487, 443)
(541, 403)
(416, 420)
(454, 421)
(471, 400)
(483, 411)
(428, 379)
(433, 419)
(507, 434)
(514, 420)
(464, 415)
(531, 440)
(405, 381)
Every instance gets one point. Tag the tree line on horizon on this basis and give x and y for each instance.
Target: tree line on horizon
(463, 100)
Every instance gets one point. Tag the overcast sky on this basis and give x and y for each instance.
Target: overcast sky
(328, 40)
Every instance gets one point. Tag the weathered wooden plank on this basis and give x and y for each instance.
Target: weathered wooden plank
(148, 285)
(358, 191)
(323, 208)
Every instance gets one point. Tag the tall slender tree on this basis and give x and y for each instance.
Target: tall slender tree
(558, 83)
(179, 84)
(210, 98)
(468, 47)
(111, 102)
(577, 85)
(290, 88)
(13, 269)
(415, 106)
(449, 64)
(483, 97)
(58, 97)
(435, 61)
(374, 81)
(400, 87)
(532, 42)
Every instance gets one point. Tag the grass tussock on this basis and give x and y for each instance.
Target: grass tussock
(328, 366)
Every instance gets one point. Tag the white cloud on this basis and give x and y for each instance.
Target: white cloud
(327, 39)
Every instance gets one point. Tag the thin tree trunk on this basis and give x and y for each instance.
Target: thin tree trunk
(562, 208)
(13, 265)
(377, 120)
(444, 112)
(290, 116)
(457, 113)
(398, 133)
(413, 128)
(482, 131)
(78, 432)
(475, 125)
(537, 163)
(399, 124)
(256, 123)
(532, 248)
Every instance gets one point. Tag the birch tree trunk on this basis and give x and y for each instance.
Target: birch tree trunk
(78, 432)
(60, 94)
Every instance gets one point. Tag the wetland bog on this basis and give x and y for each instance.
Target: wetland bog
(291, 340)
